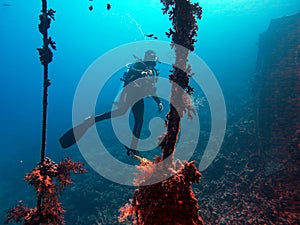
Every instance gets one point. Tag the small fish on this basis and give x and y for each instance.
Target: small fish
(90, 7)
(155, 37)
(149, 35)
(5, 4)
(108, 6)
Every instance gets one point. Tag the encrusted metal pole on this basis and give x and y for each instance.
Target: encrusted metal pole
(46, 56)
(183, 15)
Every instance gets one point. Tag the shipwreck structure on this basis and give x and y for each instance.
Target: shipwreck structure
(278, 115)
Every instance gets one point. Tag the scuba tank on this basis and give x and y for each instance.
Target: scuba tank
(139, 69)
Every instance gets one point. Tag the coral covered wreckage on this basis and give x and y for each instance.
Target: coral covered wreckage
(47, 178)
(255, 180)
(171, 201)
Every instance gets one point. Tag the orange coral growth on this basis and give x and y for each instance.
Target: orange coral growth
(169, 202)
(48, 179)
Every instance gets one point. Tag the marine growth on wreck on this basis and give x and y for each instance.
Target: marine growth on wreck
(172, 201)
(48, 178)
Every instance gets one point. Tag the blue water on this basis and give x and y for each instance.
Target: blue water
(227, 41)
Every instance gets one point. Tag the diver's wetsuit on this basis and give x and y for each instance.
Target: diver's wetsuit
(135, 72)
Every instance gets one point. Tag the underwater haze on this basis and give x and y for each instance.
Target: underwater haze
(227, 41)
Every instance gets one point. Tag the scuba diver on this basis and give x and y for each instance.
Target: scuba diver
(139, 80)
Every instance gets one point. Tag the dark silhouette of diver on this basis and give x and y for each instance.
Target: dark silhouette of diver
(140, 81)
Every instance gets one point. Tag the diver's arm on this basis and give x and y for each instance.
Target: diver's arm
(156, 99)
(158, 102)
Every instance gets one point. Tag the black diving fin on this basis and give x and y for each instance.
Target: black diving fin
(74, 134)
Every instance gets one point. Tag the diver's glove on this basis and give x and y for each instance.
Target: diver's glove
(131, 152)
(160, 107)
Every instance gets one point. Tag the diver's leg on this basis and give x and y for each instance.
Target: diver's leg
(103, 116)
(123, 106)
(115, 113)
(138, 114)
